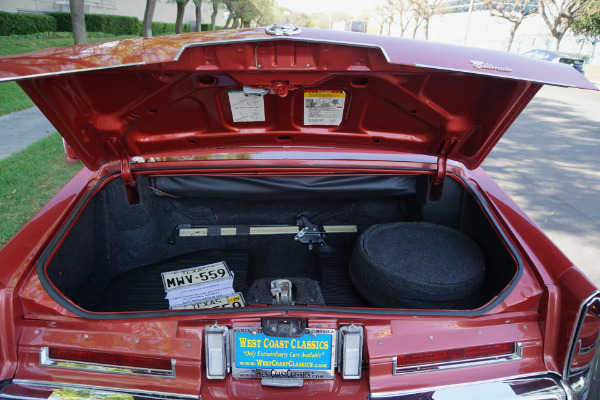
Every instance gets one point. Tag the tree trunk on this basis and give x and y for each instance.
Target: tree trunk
(148, 14)
(198, 25)
(417, 26)
(511, 35)
(557, 37)
(180, 11)
(228, 21)
(426, 28)
(213, 17)
(78, 21)
(236, 21)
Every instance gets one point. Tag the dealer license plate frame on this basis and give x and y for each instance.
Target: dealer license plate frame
(239, 372)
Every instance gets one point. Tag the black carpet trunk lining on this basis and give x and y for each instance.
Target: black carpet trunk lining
(141, 289)
(112, 258)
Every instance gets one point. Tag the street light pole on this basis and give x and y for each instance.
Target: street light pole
(468, 22)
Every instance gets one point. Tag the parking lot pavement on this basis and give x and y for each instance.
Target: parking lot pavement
(549, 163)
(20, 129)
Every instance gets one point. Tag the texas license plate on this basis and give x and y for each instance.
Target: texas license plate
(196, 275)
(310, 356)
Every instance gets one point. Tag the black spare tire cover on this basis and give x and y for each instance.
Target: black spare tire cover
(417, 265)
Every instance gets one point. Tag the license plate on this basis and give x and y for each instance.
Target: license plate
(256, 355)
(235, 300)
(193, 276)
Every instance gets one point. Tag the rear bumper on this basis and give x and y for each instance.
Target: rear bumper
(537, 387)
(543, 387)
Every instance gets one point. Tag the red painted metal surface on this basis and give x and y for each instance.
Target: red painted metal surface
(182, 124)
(401, 95)
(516, 319)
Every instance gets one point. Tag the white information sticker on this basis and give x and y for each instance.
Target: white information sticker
(234, 300)
(246, 108)
(324, 107)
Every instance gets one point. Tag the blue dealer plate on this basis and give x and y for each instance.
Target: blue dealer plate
(256, 355)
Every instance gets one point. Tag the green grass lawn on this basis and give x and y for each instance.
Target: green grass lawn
(12, 98)
(29, 179)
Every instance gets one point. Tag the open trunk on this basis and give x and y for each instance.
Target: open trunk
(112, 257)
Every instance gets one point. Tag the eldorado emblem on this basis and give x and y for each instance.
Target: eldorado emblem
(484, 65)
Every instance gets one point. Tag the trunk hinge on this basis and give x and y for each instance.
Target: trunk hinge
(437, 183)
(133, 196)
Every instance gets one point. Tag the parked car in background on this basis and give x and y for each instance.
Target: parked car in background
(286, 212)
(565, 58)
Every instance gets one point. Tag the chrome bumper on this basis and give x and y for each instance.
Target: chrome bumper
(531, 388)
(33, 390)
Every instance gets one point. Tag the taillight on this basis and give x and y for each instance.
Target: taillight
(106, 362)
(582, 367)
(417, 362)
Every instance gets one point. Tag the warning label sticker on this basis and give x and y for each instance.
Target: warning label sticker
(246, 108)
(323, 107)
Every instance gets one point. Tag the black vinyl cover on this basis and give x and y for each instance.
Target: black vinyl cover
(261, 188)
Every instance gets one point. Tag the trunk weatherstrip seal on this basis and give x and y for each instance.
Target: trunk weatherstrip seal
(69, 306)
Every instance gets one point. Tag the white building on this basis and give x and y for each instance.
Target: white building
(165, 11)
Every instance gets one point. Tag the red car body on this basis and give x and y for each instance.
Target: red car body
(154, 107)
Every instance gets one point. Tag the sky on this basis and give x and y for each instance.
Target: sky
(352, 7)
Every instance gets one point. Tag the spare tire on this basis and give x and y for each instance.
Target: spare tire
(417, 265)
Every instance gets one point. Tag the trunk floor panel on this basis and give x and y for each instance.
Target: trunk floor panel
(141, 289)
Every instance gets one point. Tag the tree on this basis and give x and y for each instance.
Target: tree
(198, 25)
(514, 11)
(241, 13)
(587, 26)
(392, 12)
(558, 16)
(423, 11)
(213, 18)
(180, 11)
(78, 21)
(148, 14)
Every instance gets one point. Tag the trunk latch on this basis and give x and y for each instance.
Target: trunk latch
(281, 289)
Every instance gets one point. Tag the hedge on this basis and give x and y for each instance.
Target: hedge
(166, 28)
(113, 24)
(23, 24)
(208, 27)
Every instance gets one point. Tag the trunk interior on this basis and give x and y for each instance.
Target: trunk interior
(112, 257)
